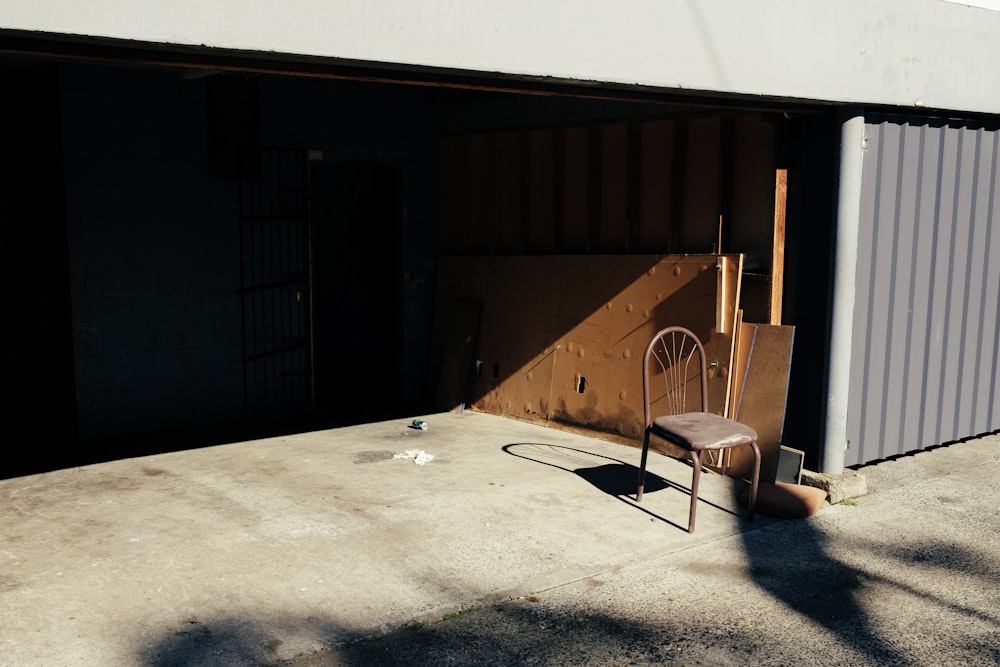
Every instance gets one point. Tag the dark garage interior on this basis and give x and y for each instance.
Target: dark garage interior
(199, 255)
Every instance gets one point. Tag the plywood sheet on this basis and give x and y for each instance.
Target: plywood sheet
(764, 397)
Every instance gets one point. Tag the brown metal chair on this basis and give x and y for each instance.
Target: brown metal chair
(668, 369)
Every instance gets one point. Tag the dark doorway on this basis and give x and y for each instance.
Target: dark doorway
(39, 407)
(356, 236)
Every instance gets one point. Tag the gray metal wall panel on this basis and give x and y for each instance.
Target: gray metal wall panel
(899, 271)
(954, 202)
(984, 271)
(927, 309)
(923, 352)
(990, 353)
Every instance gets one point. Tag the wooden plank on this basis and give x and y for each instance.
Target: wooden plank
(778, 245)
(729, 295)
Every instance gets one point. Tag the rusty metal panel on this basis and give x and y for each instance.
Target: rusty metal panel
(561, 337)
(926, 312)
(513, 362)
(610, 308)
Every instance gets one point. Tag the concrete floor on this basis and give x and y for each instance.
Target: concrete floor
(291, 549)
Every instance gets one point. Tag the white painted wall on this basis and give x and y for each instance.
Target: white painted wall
(933, 53)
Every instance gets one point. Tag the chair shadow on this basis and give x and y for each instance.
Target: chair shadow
(620, 479)
(605, 473)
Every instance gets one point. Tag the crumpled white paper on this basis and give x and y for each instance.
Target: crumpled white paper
(419, 456)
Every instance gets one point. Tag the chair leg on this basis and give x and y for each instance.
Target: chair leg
(642, 467)
(696, 477)
(754, 481)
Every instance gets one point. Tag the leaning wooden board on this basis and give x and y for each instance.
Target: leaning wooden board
(762, 394)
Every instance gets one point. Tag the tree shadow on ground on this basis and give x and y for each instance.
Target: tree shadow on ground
(528, 631)
(792, 562)
(228, 643)
(525, 632)
(792, 565)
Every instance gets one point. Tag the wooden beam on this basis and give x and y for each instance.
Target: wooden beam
(778, 245)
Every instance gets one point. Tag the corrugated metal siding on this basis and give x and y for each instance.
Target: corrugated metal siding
(927, 311)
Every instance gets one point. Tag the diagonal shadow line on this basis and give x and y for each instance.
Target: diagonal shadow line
(615, 478)
(822, 589)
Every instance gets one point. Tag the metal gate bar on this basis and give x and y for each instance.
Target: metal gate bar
(274, 282)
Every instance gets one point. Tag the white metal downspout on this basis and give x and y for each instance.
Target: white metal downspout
(834, 447)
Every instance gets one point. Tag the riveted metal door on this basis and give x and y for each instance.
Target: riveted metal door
(274, 254)
(926, 337)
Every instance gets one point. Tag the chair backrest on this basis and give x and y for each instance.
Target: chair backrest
(674, 360)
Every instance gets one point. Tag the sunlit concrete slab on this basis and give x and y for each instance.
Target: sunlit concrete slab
(291, 543)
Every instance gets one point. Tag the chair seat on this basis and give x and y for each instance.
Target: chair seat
(702, 431)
